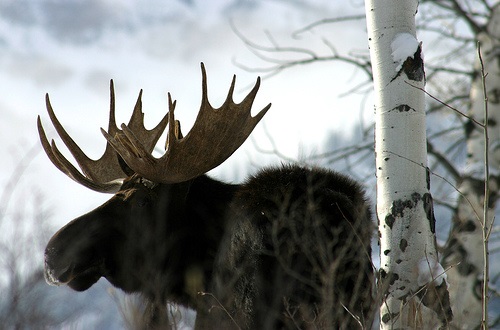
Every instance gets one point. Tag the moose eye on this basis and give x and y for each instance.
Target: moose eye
(144, 201)
(142, 198)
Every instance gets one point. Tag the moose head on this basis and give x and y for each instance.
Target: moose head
(286, 240)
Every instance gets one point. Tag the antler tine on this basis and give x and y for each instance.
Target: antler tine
(93, 169)
(67, 168)
(136, 124)
(215, 135)
(106, 173)
(132, 150)
(174, 126)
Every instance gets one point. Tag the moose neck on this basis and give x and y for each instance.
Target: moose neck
(198, 209)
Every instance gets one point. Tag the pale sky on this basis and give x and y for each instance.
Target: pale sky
(72, 49)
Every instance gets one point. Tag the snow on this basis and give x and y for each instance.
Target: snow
(403, 46)
(429, 270)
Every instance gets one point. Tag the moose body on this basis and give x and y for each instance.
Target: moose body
(288, 248)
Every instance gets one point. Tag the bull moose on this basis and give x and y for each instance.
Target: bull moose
(287, 248)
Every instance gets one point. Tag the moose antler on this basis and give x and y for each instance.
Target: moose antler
(215, 135)
(106, 173)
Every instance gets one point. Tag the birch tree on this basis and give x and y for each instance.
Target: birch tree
(455, 144)
(466, 247)
(411, 279)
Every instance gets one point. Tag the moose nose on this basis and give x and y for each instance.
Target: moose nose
(56, 274)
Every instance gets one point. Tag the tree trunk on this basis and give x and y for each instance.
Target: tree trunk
(464, 253)
(414, 295)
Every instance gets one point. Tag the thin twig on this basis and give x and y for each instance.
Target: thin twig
(486, 228)
(447, 105)
(328, 21)
(478, 216)
(219, 305)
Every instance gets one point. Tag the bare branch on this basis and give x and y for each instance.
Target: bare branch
(308, 56)
(443, 161)
(448, 106)
(311, 26)
(455, 7)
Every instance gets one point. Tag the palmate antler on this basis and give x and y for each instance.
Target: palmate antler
(215, 135)
(106, 173)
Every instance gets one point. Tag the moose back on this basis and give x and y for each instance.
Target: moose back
(287, 248)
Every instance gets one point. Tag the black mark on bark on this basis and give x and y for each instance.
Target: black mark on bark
(429, 211)
(403, 244)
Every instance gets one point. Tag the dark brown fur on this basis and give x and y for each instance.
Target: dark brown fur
(289, 247)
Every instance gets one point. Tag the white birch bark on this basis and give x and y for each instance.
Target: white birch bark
(464, 249)
(409, 260)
